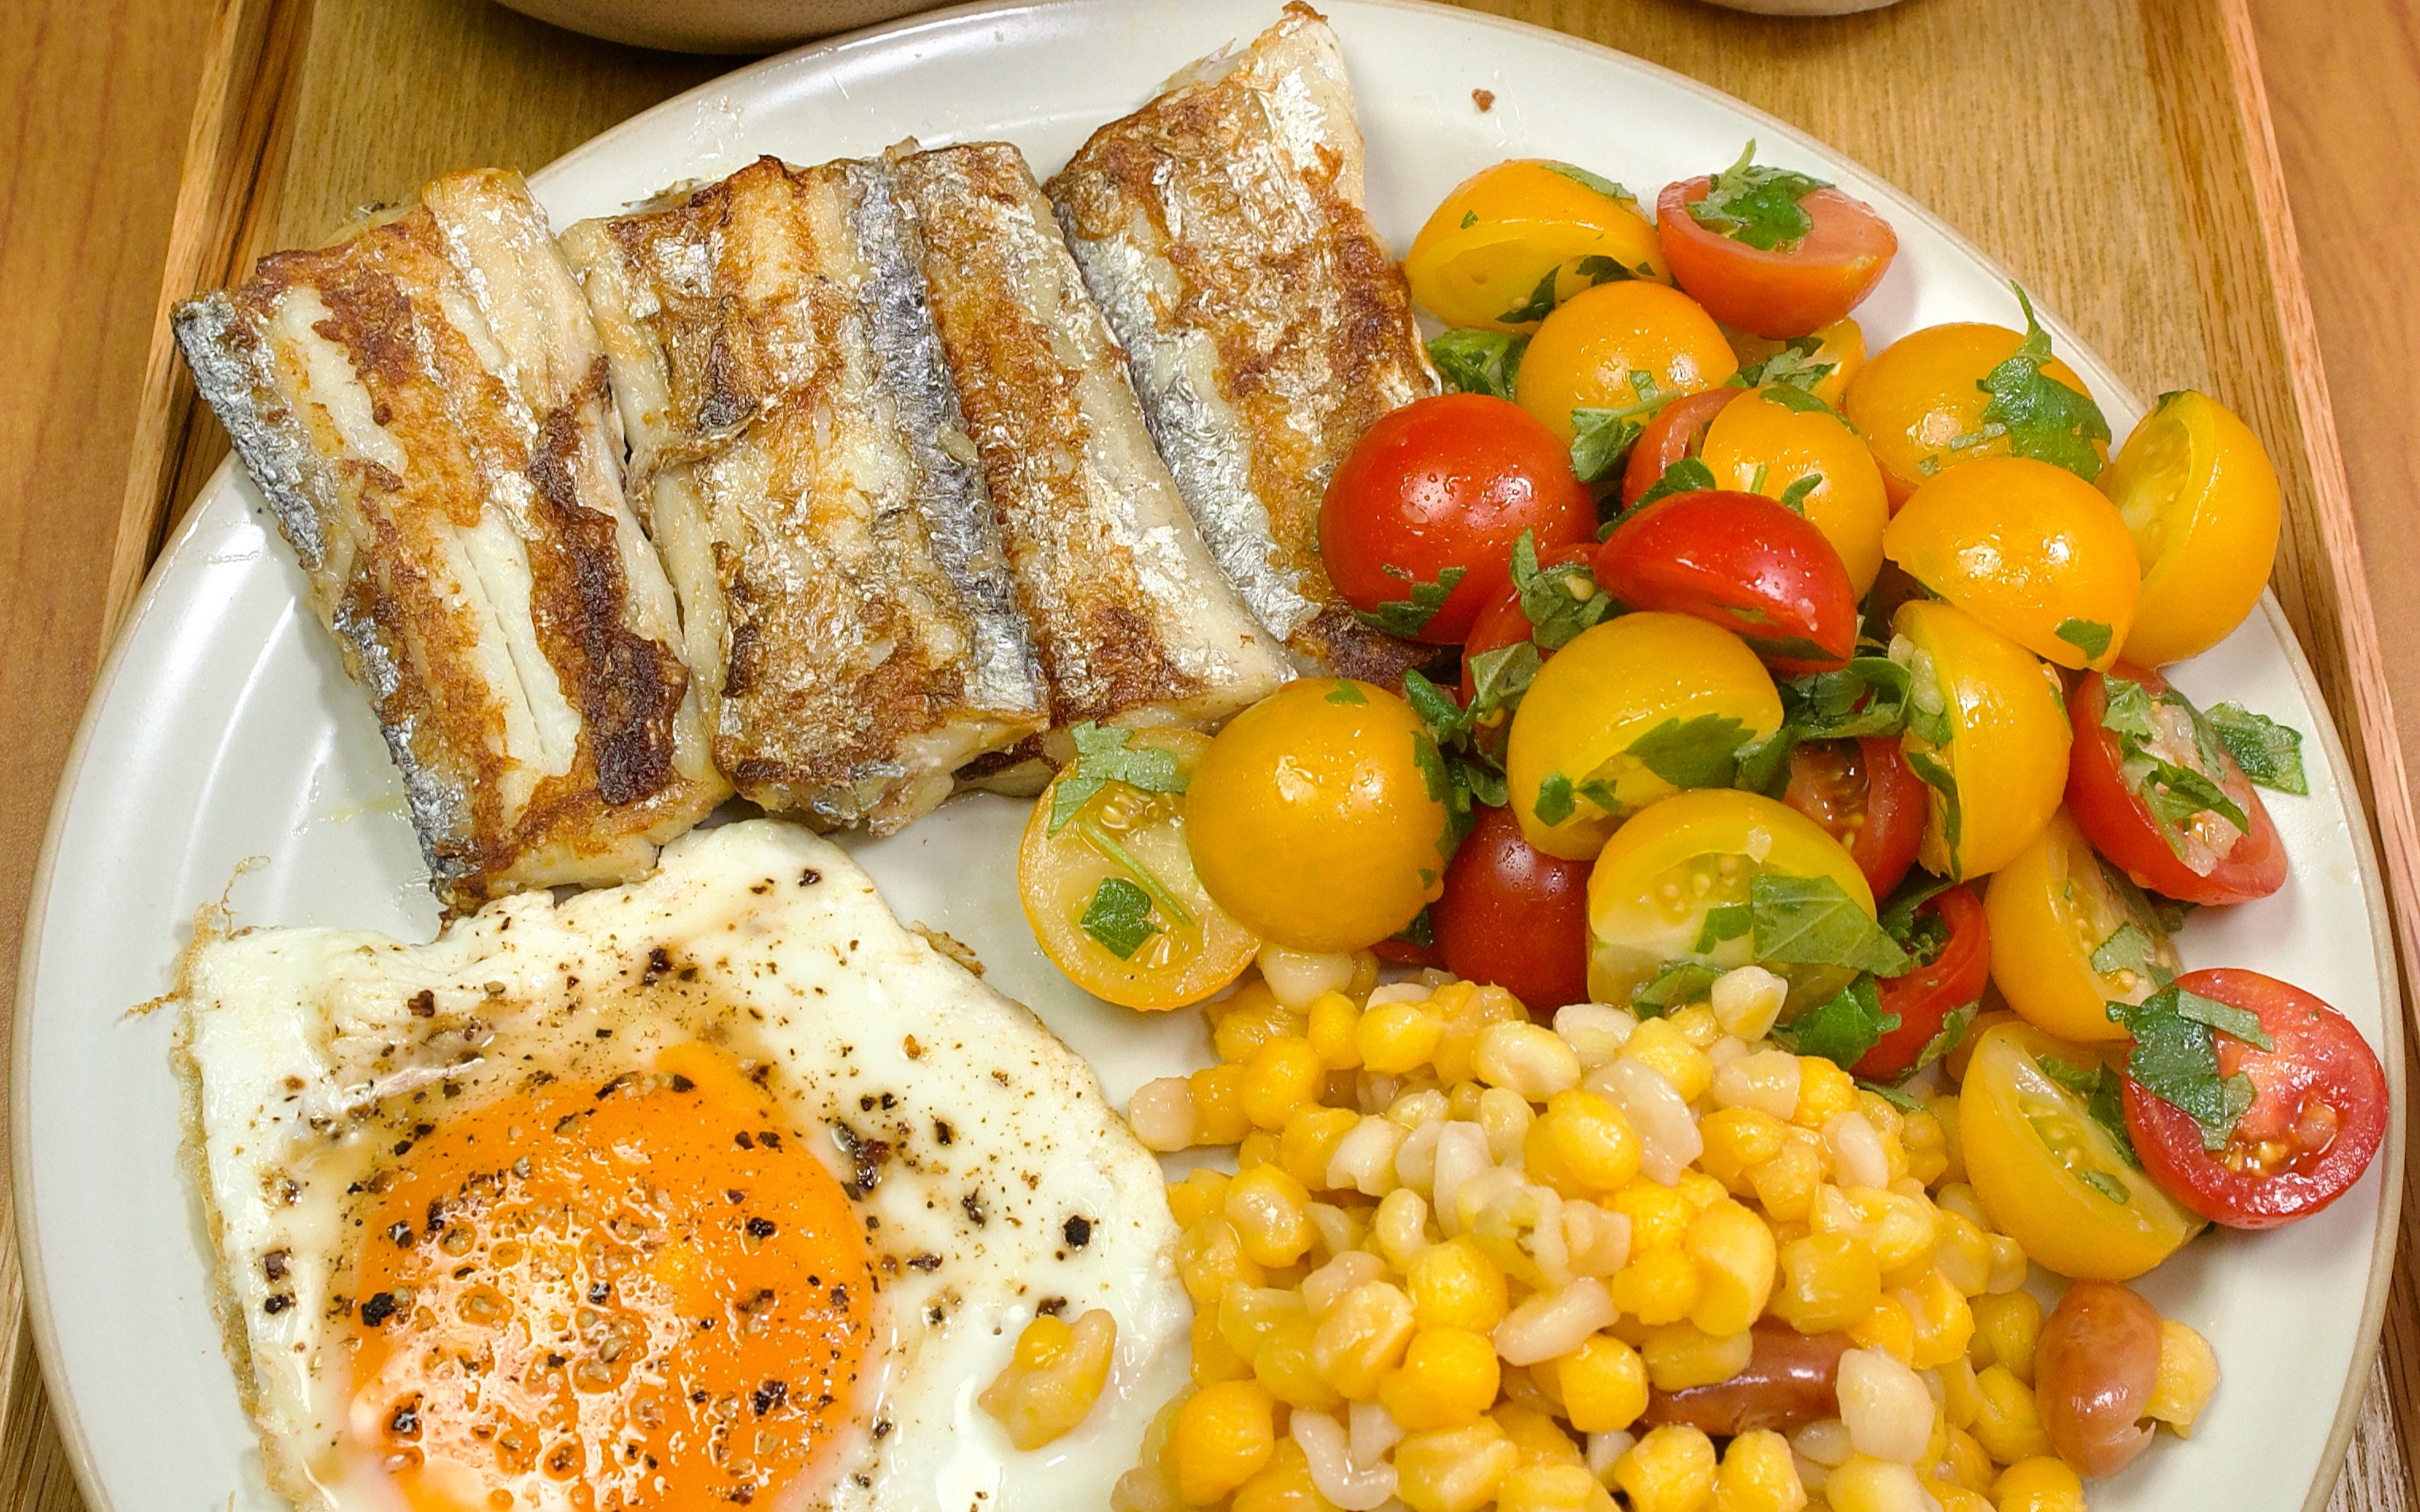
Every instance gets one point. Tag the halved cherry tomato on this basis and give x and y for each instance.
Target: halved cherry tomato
(1404, 951)
(2030, 550)
(1674, 433)
(1840, 347)
(1626, 697)
(1513, 240)
(1515, 915)
(2071, 935)
(2317, 1116)
(1987, 732)
(2048, 1175)
(1432, 497)
(2199, 493)
(1866, 796)
(1953, 977)
(1778, 440)
(1112, 895)
(1665, 870)
(1741, 561)
(2199, 857)
(1627, 350)
(1787, 291)
(1920, 403)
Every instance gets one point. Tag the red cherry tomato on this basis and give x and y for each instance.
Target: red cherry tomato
(1505, 622)
(1405, 952)
(2204, 858)
(1790, 290)
(1926, 996)
(1864, 793)
(1445, 485)
(2318, 1111)
(1515, 915)
(1750, 564)
(1676, 432)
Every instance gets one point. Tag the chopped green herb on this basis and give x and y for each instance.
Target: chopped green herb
(1486, 783)
(2079, 1079)
(1540, 304)
(1421, 931)
(2226, 1018)
(2175, 1058)
(1793, 367)
(2270, 753)
(1598, 270)
(1791, 397)
(1554, 803)
(1724, 921)
(1688, 475)
(1903, 1101)
(1763, 765)
(1469, 219)
(1479, 361)
(2091, 636)
(1447, 721)
(2131, 947)
(1868, 697)
(1602, 438)
(1682, 982)
(1119, 917)
(1944, 786)
(2103, 1182)
(1699, 752)
(1590, 181)
(1500, 678)
(1794, 497)
(1953, 1033)
(2041, 417)
(1898, 916)
(1345, 692)
(1102, 756)
(1757, 206)
(1813, 921)
(1559, 602)
(2103, 1091)
(1409, 617)
(1842, 1030)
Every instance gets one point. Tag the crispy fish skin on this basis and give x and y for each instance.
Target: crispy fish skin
(1221, 229)
(1134, 622)
(798, 454)
(424, 403)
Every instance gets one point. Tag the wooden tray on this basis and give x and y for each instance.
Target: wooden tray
(2125, 171)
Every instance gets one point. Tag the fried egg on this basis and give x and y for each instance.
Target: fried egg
(719, 1188)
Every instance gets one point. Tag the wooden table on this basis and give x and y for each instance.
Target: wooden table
(2120, 160)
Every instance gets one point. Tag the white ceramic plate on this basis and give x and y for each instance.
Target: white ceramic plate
(224, 730)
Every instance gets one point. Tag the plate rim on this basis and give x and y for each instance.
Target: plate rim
(34, 1280)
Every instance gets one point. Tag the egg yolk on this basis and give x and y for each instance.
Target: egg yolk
(644, 1294)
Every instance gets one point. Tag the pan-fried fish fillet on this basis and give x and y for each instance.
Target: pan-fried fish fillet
(1221, 229)
(802, 465)
(1133, 620)
(424, 403)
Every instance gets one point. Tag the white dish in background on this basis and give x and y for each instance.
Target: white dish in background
(223, 729)
(715, 26)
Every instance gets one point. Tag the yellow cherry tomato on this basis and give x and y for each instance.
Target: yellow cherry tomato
(1987, 731)
(2070, 935)
(2030, 550)
(1771, 438)
(1110, 888)
(1920, 407)
(1840, 347)
(2194, 486)
(1664, 872)
(1317, 817)
(2047, 1174)
(1631, 711)
(1626, 348)
(1487, 255)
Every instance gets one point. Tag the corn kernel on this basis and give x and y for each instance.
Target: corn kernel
(1552, 1488)
(1283, 1363)
(1903, 1230)
(1210, 1257)
(1247, 1314)
(1448, 1378)
(1201, 1192)
(1964, 1256)
(2009, 1265)
(1824, 1092)
(1944, 1322)
(1395, 1037)
(1671, 1469)
(1682, 1355)
(1218, 1105)
(1886, 1406)
(1239, 1036)
(1454, 1285)
(1214, 1358)
(1526, 1058)
(1284, 1485)
(1658, 1215)
(1457, 1469)
(1657, 1287)
(2038, 1484)
(1462, 1102)
(1759, 1475)
(1464, 1016)
(1308, 1143)
(1260, 1148)
(2007, 1328)
(1766, 1080)
(1052, 1378)
(2009, 1427)
(1284, 1075)
(1266, 1205)
(1581, 1146)
(1735, 1256)
(1927, 1145)
(1951, 1497)
(1297, 979)
(1786, 1185)
(1867, 1485)
(1362, 1337)
(1330, 1030)
(1595, 1031)
(1737, 1139)
(2188, 1374)
(1663, 1044)
(1827, 1282)
(1745, 1002)
(1603, 1384)
(1697, 1190)
(1402, 1227)
(1696, 1023)
(1959, 1398)
(1535, 1433)
(1224, 1435)
(1965, 1462)
(1161, 1115)
(1889, 1327)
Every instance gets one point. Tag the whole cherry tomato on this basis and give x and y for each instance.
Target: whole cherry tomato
(1864, 792)
(1750, 564)
(1418, 524)
(1505, 622)
(2318, 1111)
(2145, 824)
(1515, 915)
(1675, 432)
(1839, 347)
(1919, 403)
(1954, 956)
(1770, 285)
(1777, 444)
(1620, 351)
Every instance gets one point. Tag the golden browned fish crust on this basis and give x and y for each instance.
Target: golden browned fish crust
(424, 405)
(1221, 229)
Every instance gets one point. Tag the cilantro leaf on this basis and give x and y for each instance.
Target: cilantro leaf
(2131, 947)
(1601, 437)
(1500, 678)
(2175, 1058)
(1724, 921)
(1681, 982)
(2041, 417)
(1554, 803)
(1937, 777)
(1688, 475)
(1792, 367)
(1119, 917)
(1540, 304)
(1794, 497)
(1757, 206)
(1868, 697)
(1102, 756)
(1479, 361)
(1842, 1030)
(1409, 617)
(2091, 636)
(1813, 921)
(1700, 752)
(1763, 765)
(1345, 692)
(1596, 181)
(1951, 1034)
(1560, 602)
(1447, 722)
(2270, 753)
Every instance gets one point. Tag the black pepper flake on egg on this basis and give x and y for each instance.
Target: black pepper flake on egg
(925, 1263)
(659, 963)
(599, 1290)
(400, 1233)
(882, 1428)
(809, 877)
(839, 1296)
(742, 1140)
(276, 1302)
(273, 1265)
(768, 1397)
(760, 1227)
(1077, 1232)
(376, 1311)
(682, 1084)
(972, 1204)
(423, 1003)
(406, 1421)
(1051, 1307)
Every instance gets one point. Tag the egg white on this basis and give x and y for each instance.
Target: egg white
(305, 1053)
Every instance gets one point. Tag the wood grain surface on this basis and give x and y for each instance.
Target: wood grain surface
(2124, 170)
